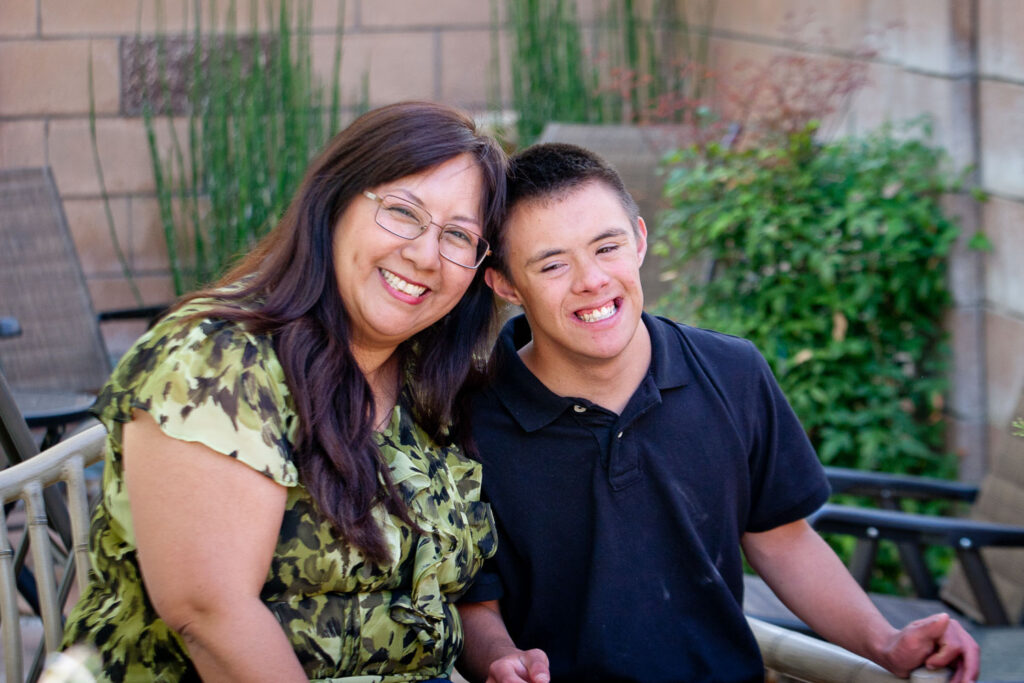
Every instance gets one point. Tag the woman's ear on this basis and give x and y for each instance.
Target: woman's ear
(501, 286)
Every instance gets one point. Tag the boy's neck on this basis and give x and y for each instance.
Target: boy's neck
(607, 382)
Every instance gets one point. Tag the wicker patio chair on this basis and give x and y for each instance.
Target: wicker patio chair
(58, 360)
(54, 560)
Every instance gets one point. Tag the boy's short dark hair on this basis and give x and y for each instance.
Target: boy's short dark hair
(550, 170)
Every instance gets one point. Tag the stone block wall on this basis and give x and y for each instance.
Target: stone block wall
(961, 61)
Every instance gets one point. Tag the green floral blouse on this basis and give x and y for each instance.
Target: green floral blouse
(212, 382)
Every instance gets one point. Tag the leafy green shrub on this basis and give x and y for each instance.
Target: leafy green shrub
(832, 259)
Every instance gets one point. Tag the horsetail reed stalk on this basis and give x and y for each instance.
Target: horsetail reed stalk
(551, 77)
(640, 67)
(256, 116)
(115, 241)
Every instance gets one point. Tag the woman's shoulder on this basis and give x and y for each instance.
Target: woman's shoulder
(206, 378)
(198, 335)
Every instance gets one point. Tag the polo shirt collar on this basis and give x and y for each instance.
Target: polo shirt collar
(534, 406)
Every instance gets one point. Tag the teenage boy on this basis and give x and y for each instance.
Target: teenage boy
(627, 459)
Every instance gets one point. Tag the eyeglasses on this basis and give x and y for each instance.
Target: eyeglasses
(408, 221)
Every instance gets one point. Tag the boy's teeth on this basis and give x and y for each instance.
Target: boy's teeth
(605, 311)
(401, 285)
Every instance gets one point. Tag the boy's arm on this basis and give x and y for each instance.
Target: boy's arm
(489, 652)
(812, 581)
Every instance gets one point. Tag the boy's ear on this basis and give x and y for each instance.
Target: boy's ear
(641, 239)
(501, 286)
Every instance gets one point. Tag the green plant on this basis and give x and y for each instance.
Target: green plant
(640, 65)
(256, 115)
(551, 79)
(830, 257)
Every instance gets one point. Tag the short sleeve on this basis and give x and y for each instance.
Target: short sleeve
(787, 480)
(486, 586)
(210, 382)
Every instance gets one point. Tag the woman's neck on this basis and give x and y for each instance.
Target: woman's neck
(383, 381)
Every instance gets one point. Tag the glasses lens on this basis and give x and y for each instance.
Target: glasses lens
(457, 244)
(402, 218)
(461, 246)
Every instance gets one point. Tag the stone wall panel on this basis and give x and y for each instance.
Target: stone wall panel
(124, 157)
(1000, 49)
(17, 18)
(22, 143)
(1004, 336)
(406, 15)
(50, 77)
(87, 221)
(1002, 137)
(1004, 277)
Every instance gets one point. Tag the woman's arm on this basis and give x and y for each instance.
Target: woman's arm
(206, 527)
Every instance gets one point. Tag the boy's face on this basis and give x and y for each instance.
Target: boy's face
(574, 266)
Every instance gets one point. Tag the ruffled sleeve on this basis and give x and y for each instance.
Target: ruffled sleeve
(210, 382)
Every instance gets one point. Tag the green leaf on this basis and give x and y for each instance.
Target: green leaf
(980, 242)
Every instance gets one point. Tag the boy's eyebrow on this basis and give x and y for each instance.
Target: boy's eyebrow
(610, 232)
(543, 255)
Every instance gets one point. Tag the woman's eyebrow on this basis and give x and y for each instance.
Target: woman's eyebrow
(419, 202)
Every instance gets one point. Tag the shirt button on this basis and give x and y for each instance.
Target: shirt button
(619, 436)
(579, 409)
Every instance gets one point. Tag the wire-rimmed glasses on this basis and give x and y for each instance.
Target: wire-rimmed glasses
(402, 218)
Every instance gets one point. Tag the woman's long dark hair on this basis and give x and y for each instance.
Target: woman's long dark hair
(290, 291)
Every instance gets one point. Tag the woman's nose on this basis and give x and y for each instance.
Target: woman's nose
(425, 250)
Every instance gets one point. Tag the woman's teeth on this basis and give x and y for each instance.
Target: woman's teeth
(401, 285)
(594, 316)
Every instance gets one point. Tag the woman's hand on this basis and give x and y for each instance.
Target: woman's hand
(206, 527)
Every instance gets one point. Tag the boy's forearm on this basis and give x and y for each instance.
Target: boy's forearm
(813, 582)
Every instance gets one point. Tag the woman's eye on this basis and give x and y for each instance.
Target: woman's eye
(403, 213)
(458, 235)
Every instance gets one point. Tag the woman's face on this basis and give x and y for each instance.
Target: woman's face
(393, 288)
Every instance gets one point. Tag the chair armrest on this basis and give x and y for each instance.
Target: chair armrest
(894, 486)
(923, 529)
(140, 313)
(9, 327)
(809, 659)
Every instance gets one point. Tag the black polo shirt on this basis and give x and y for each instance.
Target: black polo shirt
(619, 535)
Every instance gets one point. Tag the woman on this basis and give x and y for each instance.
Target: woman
(284, 495)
